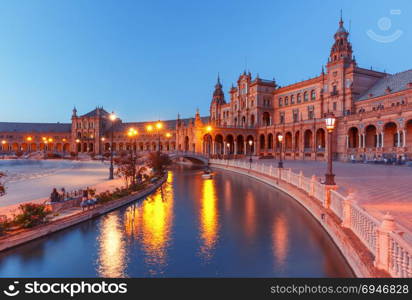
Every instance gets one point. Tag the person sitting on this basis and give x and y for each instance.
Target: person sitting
(86, 193)
(62, 194)
(54, 196)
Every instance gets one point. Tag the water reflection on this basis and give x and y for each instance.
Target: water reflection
(111, 259)
(280, 240)
(228, 226)
(209, 223)
(250, 214)
(150, 223)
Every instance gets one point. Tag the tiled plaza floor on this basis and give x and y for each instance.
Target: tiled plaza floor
(377, 188)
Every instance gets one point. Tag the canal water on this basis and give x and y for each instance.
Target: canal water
(230, 226)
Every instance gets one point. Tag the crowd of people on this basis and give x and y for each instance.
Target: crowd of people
(87, 199)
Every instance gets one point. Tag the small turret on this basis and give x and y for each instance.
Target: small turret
(74, 114)
(218, 95)
(342, 48)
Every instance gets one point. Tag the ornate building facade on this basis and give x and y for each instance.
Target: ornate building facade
(88, 133)
(373, 110)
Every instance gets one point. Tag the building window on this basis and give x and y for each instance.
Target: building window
(280, 101)
(334, 105)
(299, 98)
(286, 100)
(311, 114)
(305, 96)
(295, 115)
(313, 95)
(292, 99)
(282, 118)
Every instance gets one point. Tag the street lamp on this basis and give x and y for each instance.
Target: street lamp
(132, 133)
(29, 139)
(77, 148)
(3, 143)
(112, 118)
(280, 139)
(101, 146)
(168, 135)
(330, 126)
(158, 127)
(228, 153)
(250, 153)
(210, 147)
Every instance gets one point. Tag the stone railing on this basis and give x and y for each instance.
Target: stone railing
(391, 250)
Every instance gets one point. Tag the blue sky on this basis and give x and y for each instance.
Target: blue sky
(152, 59)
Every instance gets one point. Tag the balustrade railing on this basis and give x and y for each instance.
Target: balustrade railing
(393, 247)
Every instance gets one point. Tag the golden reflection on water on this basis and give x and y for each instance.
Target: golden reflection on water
(150, 223)
(250, 224)
(280, 240)
(111, 255)
(209, 225)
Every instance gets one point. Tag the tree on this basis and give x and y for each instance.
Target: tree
(2, 187)
(158, 161)
(126, 168)
(31, 214)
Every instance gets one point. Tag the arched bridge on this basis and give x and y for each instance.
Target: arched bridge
(195, 157)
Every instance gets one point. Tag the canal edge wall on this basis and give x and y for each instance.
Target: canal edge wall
(357, 256)
(29, 235)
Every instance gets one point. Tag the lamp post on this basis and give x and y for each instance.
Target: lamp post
(330, 126)
(280, 139)
(3, 143)
(228, 152)
(158, 126)
(132, 133)
(250, 153)
(168, 135)
(112, 118)
(209, 130)
(77, 148)
(101, 145)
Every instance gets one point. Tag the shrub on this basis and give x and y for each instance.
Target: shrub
(2, 187)
(158, 161)
(31, 214)
(53, 155)
(19, 153)
(4, 225)
(104, 197)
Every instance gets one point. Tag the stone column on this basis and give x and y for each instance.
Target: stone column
(347, 141)
(383, 253)
(213, 150)
(328, 189)
(245, 147)
(347, 203)
(235, 147)
(360, 140)
(364, 140)
(404, 138)
(382, 140)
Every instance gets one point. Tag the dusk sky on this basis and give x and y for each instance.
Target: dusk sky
(152, 59)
